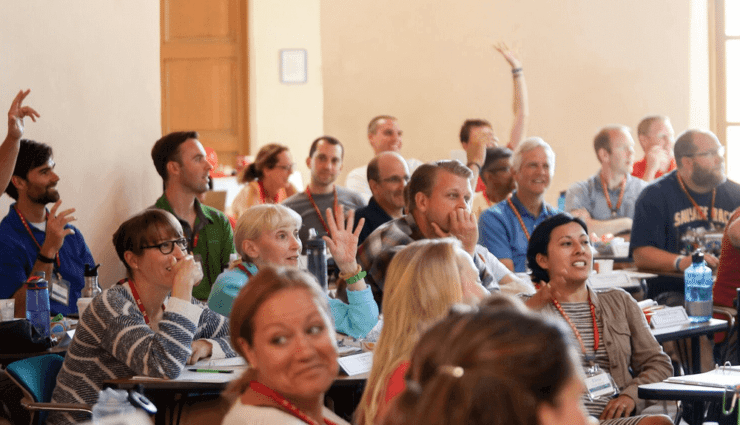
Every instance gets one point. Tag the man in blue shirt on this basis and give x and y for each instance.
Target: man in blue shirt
(34, 239)
(506, 226)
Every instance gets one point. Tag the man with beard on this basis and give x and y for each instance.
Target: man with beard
(34, 239)
(325, 162)
(438, 199)
(387, 174)
(606, 201)
(181, 161)
(695, 198)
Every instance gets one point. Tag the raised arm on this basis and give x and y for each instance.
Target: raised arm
(521, 106)
(9, 148)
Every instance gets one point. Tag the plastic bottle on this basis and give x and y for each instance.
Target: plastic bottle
(561, 201)
(316, 253)
(111, 402)
(698, 287)
(37, 303)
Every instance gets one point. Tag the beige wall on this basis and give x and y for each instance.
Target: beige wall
(96, 84)
(291, 114)
(588, 63)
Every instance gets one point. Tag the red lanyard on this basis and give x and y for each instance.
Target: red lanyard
(488, 200)
(696, 206)
(622, 188)
(263, 194)
(282, 401)
(519, 216)
(245, 270)
(573, 326)
(28, 228)
(316, 208)
(135, 293)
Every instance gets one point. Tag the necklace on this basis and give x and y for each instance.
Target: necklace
(283, 402)
(590, 359)
(263, 194)
(135, 293)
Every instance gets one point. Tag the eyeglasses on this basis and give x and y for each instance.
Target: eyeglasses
(719, 152)
(288, 168)
(396, 179)
(167, 247)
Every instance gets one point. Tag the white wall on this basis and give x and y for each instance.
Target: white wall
(93, 68)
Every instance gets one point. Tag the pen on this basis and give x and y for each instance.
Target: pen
(211, 371)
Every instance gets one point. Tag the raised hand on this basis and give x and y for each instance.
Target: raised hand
(55, 230)
(508, 55)
(343, 241)
(16, 114)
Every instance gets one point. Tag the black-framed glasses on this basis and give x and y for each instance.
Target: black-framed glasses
(396, 179)
(167, 247)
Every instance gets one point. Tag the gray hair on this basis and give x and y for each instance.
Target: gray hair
(531, 144)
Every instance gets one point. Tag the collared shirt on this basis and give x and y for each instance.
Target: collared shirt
(502, 233)
(589, 195)
(376, 253)
(18, 255)
(374, 216)
(215, 242)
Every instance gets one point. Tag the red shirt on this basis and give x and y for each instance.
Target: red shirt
(638, 168)
(728, 272)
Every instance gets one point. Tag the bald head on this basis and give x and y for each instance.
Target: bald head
(387, 174)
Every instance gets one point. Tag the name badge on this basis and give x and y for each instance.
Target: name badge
(600, 384)
(59, 289)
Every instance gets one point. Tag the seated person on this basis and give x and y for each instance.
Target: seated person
(267, 235)
(611, 329)
(505, 227)
(497, 179)
(325, 162)
(606, 201)
(424, 280)
(266, 180)
(438, 198)
(728, 271)
(656, 137)
(477, 135)
(387, 175)
(468, 369)
(34, 239)
(148, 324)
(282, 328)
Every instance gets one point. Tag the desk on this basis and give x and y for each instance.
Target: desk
(694, 395)
(693, 331)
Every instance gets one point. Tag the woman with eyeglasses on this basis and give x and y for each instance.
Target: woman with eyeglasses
(266, 180)
(147, 324)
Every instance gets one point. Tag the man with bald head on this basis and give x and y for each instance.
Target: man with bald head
(606, 201)
(387, 175)
(384, 135)
(694, 199)
(656, 137)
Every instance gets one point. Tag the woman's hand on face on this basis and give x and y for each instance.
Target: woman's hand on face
(188, 273)
(619, 407)
(343, 241)
(201, 349)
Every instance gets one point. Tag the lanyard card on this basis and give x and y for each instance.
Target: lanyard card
(600, 384)
(59, 289)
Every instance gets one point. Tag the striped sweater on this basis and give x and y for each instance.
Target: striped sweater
(113, 341)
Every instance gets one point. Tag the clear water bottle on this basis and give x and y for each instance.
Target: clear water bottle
(561, 201)
(698, 286)
(111, 402)
(316, 253)
(37, 303)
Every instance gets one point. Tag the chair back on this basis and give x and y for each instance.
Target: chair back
(37, 376)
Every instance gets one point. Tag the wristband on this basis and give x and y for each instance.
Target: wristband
(476, 164)
(356, 278)
(345, 276)
(678, 263)
(44, 259)
(516, 70)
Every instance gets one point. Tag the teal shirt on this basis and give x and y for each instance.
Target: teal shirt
(227, 287)
(215, 242)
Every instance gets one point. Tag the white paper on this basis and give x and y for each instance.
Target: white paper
(357, 364)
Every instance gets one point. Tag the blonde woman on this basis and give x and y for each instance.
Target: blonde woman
(423, 281)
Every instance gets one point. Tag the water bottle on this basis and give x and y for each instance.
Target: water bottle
(316, 253)
(111, 402)
(37, 303)
(561, 201)
(91, 288)
(698, 286)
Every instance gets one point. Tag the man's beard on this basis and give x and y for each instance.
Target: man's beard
(707, 178)
(48, 197)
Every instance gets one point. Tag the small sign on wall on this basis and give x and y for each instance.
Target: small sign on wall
(293, 66)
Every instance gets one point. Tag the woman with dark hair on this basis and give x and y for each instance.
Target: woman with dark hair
(148, 324)
(282, 328)
(498, 366)
(613, 336)
(266, 179)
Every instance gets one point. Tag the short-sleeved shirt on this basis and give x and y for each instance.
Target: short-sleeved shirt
(349, 199)
(211, 239)
(589, 195)
(664, 215)
(376, 253)
(502, 233)
(638, 168)
(18, 255)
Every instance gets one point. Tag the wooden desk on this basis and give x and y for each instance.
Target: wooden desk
(694, 395)
(693, 331)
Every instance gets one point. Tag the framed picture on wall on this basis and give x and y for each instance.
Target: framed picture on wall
(293, 66)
